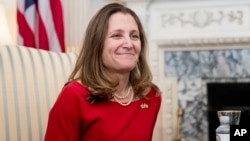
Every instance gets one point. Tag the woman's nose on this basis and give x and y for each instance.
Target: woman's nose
(128, 42)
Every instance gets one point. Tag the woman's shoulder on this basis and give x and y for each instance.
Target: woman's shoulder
(74, 88)
(151, 92)
(74, 83)
(70, 97)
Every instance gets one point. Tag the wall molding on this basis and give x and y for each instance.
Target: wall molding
(199, 24)
(202, 18)
(205, 43)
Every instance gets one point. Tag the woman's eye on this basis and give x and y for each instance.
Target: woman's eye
(135, 37)
(116, 36)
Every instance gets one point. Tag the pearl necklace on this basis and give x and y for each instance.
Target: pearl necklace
(127, 103)
(123, 96)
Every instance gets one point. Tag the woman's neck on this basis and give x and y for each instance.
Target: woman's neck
(123, 81)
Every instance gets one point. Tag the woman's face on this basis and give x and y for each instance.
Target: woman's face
(122, 44)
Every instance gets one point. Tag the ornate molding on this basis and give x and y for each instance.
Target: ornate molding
(205, 42)
(216, 23)
(169, 107)
(201, 19)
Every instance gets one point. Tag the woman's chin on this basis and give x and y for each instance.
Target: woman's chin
(126, 69)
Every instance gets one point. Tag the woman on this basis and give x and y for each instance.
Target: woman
(110, 95)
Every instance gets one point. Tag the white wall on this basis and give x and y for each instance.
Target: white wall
(10, 7)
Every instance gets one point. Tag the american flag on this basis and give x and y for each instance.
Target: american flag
(40, 24)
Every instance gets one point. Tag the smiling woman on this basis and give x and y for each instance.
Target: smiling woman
(122, 45)
(111, 85)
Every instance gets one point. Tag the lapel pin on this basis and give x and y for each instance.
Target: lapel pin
(144, 105)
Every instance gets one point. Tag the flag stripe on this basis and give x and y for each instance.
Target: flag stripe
(46, 16)
(42, 19)
(43, 38)
(56, 7)
(25, 31)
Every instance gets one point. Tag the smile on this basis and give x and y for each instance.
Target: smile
(125, 54)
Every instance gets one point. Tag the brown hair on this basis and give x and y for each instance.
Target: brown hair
(89, 68)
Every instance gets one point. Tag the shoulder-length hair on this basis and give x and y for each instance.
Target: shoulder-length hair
(89, 68)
